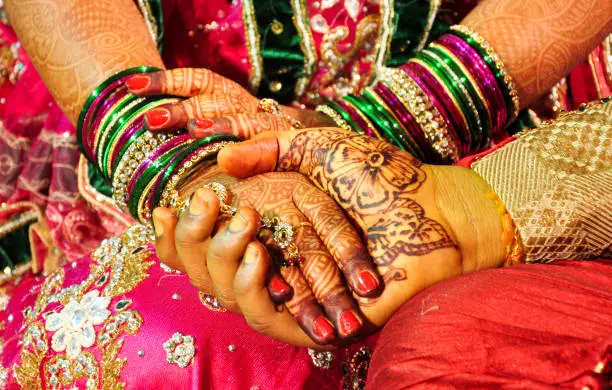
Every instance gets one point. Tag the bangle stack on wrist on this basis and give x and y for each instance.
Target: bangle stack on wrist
(444, 103)
(140, 165)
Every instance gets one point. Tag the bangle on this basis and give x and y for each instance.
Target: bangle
(510, 236)
(481, 72)
(443, 102)
(338, 120)
(464, 79)
(495, 63)
(346, 116)
(360, 118)
(464, 97)
(98, 95)
(418, 103)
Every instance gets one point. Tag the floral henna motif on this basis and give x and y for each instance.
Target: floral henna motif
(377, 185)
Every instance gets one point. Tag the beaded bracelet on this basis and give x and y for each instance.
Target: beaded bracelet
(330, 112)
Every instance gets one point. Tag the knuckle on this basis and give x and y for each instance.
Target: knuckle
(259, 323)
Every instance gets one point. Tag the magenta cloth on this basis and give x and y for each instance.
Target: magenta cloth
(533, 326)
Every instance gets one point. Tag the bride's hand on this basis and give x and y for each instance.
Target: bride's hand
(422, 223)
(214, 104)
(214, 259)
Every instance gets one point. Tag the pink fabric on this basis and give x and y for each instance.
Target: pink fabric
(535, 326)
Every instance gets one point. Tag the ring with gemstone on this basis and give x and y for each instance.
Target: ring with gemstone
(283, 235)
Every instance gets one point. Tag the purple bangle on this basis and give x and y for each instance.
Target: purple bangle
(107, 105)
(482, 74)
(407, 120)
(87, 129)
(442, 101)
(125, 136)
(363, 125)
(157, 153)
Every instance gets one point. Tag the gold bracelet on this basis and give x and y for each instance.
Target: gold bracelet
(271, 106)
(330, 112)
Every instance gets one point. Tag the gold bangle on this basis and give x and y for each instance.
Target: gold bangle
(426, 114)
(170, 196)
(271, 106)
(364, 118)
(338, 120)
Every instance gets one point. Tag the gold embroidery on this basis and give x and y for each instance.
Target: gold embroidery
(434, 7)
(300, 19)
(365, 36)
(145, 8)
(253, 45)
(120, 264)
(385, 34)
(556, 183)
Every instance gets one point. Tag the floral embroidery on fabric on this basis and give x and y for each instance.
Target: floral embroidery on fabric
(357, 369)
(65, 319)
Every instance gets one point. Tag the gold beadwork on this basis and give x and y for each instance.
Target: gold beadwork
(277, 27)
(339, 120)
(271, 106)
(253, 45)
(275, 86)
(425, 113)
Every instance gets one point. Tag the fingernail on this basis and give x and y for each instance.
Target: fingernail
(197, 206)
(367, 281)
(201, 127)
(349, 324)
(322, 327)
(157, 117)
(137, 83)
(251, 255)
(279, 287)
(237, 224)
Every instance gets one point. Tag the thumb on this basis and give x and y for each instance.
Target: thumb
(285, 151)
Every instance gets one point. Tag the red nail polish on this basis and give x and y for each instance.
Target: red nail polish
(137, 83)
(279, 287)
(349, 323)
(367, 282)
(203, 124)
(322, 327)
(157, 117)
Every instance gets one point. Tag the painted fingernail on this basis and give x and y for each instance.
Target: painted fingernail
(322, 327)
(157, 118)
(237, 224)
(349, 324)
(197, 206)
(279, 287)
(367, 281)
(137, 83)
(200, 128)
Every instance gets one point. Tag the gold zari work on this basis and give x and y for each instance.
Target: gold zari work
(556, 183)
(120, 264)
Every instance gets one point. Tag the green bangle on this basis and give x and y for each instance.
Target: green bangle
(459, 98)
(119, 128)
(483, 136)
(344, 116)
(148, 176)
(393, 127)
(370, 112)
(501, 76)
(192, 148)
(98, 90)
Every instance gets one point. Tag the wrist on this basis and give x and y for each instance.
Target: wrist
(464, 199)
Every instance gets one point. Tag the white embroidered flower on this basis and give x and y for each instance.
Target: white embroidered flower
(74, 324)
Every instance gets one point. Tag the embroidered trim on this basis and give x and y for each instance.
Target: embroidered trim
(307, 44)
(252, 40)
(434, 7)
(385, 34)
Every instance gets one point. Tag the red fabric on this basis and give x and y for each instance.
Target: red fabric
(534, 326)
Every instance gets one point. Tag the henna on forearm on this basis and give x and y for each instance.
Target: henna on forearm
(76, 44)
(540, 41)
